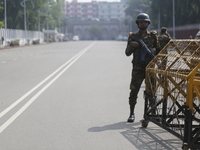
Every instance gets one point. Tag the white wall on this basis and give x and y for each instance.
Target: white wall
(13, 34)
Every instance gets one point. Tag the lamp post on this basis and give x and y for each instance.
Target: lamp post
(130, 19)
(48, 12)
(174, 36)
(23, 4)
(159, 17)
(5, 23)
(25, 19)
(39, 20)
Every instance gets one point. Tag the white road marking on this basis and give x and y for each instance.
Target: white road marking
(63, 68)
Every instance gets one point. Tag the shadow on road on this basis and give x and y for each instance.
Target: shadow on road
(150, 138)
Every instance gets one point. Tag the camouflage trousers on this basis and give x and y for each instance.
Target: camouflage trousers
(138, 76)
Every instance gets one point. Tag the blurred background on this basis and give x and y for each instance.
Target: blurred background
(61, 20)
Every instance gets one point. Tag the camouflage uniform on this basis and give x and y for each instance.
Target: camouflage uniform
(138, 71)
(163, 38)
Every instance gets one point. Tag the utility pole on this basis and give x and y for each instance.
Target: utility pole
(23, 4)
(39, 19)
(159, 17)
(174, 36)
(5, 37)
(25, 19)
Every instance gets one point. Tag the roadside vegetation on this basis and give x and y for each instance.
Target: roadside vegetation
(39, 14)
(161, 11)
(43, 13)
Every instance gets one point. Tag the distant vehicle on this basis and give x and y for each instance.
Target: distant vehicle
(122, 38)
(125, 38)
(65, 38)
(75, 38)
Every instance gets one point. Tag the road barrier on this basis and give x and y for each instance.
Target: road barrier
(24, 37)
(172, 94)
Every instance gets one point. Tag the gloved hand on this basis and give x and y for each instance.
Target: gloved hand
(135, 44)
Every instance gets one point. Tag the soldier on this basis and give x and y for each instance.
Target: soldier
(163, 38)
(2, 39)
(133, 47)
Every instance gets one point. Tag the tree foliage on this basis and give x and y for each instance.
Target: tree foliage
(39, 14)
(1, 12)
(48, 13)
(186, 11)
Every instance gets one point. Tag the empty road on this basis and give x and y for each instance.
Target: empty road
(72, 96)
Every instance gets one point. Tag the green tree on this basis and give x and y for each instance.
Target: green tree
(1, 24)
(1, 16)
(39, 14)
(161, 10)
(134, 7)
(186, 11)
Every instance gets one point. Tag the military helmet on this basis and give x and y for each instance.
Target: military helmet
(163, 29)
(142, 17)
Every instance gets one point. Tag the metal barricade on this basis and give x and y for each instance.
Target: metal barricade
(172, 94)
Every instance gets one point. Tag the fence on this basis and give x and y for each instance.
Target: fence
(172, 94)
(24, 37)
(185, 32)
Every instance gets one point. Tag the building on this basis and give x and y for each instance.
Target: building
(95, 29)
(94, 9)
(84, 10)
(111, 10)
(106, 17)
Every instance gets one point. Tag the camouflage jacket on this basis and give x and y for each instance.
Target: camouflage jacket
(150, 39)
(163, 39)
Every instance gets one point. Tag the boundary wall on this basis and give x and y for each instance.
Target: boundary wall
(24, 37)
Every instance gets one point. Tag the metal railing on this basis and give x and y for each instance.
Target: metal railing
(24, 37)
(172, 94)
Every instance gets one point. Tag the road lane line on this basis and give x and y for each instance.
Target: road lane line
(23, 108)
(42, 82)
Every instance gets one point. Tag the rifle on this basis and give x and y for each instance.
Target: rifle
(145, 50)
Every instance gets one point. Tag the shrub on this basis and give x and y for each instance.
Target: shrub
(36, 41)
(14, 42)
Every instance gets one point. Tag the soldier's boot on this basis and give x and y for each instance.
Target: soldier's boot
(132, 115)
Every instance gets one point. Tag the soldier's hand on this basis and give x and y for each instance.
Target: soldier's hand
(135, 44)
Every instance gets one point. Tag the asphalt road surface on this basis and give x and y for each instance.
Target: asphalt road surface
(72, 96)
